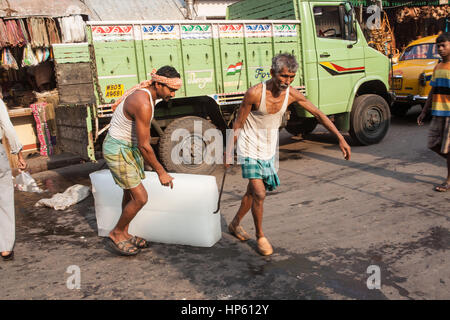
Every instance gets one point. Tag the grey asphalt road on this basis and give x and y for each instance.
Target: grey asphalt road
(335, 225)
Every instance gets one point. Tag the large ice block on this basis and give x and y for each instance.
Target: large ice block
(182, 215)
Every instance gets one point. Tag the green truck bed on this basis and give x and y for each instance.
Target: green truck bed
(206, 53)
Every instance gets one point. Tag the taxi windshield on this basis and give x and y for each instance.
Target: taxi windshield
(421, 51)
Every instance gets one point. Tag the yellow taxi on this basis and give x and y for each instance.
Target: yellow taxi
(412, 74)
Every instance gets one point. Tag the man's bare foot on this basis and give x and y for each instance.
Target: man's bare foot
(238, 232)
(119, 236)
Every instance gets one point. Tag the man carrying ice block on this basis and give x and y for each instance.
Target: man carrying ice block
(127, 147)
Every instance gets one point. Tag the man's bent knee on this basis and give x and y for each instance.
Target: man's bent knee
(259, 195)
(140, 195)
(141, 200)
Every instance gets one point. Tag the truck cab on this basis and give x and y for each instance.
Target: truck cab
(340, 70)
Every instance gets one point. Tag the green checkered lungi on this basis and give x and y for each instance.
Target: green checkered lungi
(261, 169)
(125, 162)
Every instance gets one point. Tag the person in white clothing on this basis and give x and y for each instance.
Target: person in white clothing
(256, 133)
(7, 217)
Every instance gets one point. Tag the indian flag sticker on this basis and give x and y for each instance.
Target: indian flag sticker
(233, 69)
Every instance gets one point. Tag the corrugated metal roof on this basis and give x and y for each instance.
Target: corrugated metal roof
(52, 8)
(136, 9)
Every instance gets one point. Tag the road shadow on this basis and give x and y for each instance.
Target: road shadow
(378, 170)
(415, 152)
(233, 270)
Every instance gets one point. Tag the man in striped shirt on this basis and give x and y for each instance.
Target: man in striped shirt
(439, 101)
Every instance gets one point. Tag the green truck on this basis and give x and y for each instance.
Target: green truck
(219, 61)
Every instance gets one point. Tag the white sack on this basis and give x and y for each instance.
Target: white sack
(62, 201)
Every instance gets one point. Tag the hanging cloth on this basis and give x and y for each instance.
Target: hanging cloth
(24, 31)
(52, 31)
(22, 38)
(39, 54)
(29, 59)
(8, 61)
(11, 39)
(38, 32)
(66, 34)
(3, 34)
(15, 37)
(72, 29)
(38, 110)
(79, 29)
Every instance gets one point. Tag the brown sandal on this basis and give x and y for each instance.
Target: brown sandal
(139, 242)
(124, 247)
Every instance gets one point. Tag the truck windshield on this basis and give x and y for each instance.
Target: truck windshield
(421, 51)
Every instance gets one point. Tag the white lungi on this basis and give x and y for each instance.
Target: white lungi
(7, 218)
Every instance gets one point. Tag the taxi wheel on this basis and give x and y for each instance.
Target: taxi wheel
(370, 119)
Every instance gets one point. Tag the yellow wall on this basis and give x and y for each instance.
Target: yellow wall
(26, 130)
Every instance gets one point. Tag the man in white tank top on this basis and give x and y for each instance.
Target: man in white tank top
(256, 134)
(127, 147)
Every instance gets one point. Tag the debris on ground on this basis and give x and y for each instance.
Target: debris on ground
(25, 182)
(62, 201)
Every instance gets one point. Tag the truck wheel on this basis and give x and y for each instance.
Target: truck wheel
(297, 125)
(180, 155)
(400, 109)
(369, 119)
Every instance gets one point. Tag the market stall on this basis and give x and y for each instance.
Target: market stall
(28, 29)
(419, 21)
(401, 21)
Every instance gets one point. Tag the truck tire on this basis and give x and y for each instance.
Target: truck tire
(186, 142)
(297, 125)
(369, 119)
